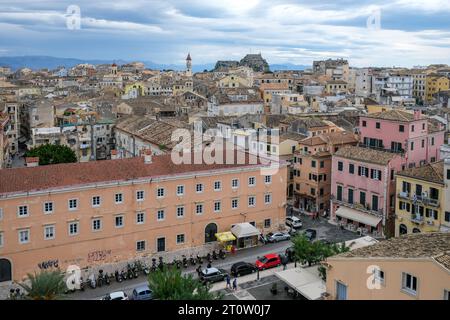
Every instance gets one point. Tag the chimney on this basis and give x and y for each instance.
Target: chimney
(417, 114)
(32, 161)
(148, 156)
(114, 155)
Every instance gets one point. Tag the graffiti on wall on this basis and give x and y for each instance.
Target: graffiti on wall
(48, 264)
(99, 255)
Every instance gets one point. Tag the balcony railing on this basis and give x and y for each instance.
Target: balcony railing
(358, 206)
(419, 199)
(417, 219)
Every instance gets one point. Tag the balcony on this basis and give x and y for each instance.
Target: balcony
(403, 195)
(357, 206)
(430, 202)
(417, 219)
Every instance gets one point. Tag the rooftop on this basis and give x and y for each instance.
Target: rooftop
(41, 178)
(395, 115)
(365, 155)
(416, 245)
(432, 172)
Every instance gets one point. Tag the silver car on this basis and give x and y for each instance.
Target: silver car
(277, 236)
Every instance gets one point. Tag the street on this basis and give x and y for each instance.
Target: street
(248, 286)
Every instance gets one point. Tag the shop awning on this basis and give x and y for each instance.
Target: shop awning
(305, 280)
(225, 236)
(358, 216)
(245, 229)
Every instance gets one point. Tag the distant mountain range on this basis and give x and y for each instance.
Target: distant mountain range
(40, 62)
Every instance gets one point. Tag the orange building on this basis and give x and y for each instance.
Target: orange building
(312, 169)
(107, 212)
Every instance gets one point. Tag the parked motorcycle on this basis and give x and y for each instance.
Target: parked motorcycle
(214, 255)
(184, 261)
(118, 276)
(146, 269)
(92, 282)
(222, 254)
(107, 279)
(192, 260)
(199, 259)
(124, 275)
(100, 278)
(82, 284)
(209, 258)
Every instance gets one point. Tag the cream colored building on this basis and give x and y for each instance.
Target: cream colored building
(410, 267)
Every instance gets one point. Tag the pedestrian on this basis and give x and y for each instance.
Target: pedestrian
(284, 262)
(228, 281)
(235, 284)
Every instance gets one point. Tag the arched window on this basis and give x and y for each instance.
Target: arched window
(210, 232)
(402, 229)
(415, 230)
(5, 270)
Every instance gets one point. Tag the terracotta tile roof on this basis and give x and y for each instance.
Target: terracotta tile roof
(365, 155)
(444, 260)
(416, 245)
(395, 115)
(77, 174)
(432, 172)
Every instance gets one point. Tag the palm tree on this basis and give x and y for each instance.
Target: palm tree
(46, 285)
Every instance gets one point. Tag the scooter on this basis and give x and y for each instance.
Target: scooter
(118, 276)
(185, 262)
(82, 284)
(107, 279)
(222, 254)
(100, 278)
(192, 260)
(124, 275)
(146, 270)
(92, 282)
(199, 259)
(209, 258)
(214, 255)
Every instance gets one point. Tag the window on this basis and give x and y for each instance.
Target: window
(234, 203)
(161, 244)
(119, 221)
(140, 218)
(96, 224)
(339, 193)
(322, 164)
(412, 128)
(140, 245)
(267, 223)
(375, 174)
(362, 198)
(313, 163)
(267, 179)
(199, 187)
(217, 185)
(160, 215)
(409, 283)
(364, 123)
(1, 239)
(49, 232)
(351, 168)
(448, 175)
(401, 128)
(119, 197)
(340, 166)
(199, 208)
(363, 171)
(251, 181)
(235, 183)
(23, 211)
(378, 275)
(180, 238)
(423, 143)
(217, 206)
(350, 196)
(140, 195)
(412, 146)
(377, 125)
(251, 201)
(180, 190)
(180, 212)
(73, 204)
(374, 203)
(447, 216)
(96, 201)
(24, 236)
(48, 207)
(73, 228)
(396, 146)
(160, 192)
(268, 198)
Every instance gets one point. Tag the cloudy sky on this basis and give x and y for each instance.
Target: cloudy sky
(411, 32)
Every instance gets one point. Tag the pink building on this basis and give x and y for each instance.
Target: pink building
(404, 132)
(363, 189)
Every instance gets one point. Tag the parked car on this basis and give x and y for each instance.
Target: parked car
(213, 275)
(268, 261)
(142, 293)
(242, 268)
(277, 236)
(294, 222)
(310, 234)
(118, 295)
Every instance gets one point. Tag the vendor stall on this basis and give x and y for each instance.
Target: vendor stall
(226, 239)
(247, 235)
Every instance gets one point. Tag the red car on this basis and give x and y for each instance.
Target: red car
(268, 261)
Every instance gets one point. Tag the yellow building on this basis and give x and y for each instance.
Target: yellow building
(421, 196)
(435, 84)
(138, 86)
(375, 108)
(336, 86)
(234, 81)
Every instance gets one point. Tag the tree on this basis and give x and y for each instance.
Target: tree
(52, 154)
(46, 285)
(170, 284)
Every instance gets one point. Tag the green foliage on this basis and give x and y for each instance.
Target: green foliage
(170, 284)
(52, 154)
(312, 253)
(46, 285)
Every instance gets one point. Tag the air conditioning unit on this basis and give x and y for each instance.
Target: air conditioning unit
(404, 194)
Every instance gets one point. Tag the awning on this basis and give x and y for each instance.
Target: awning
(242, 230)
(305, 280)
(225, 236)
(358, 216)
